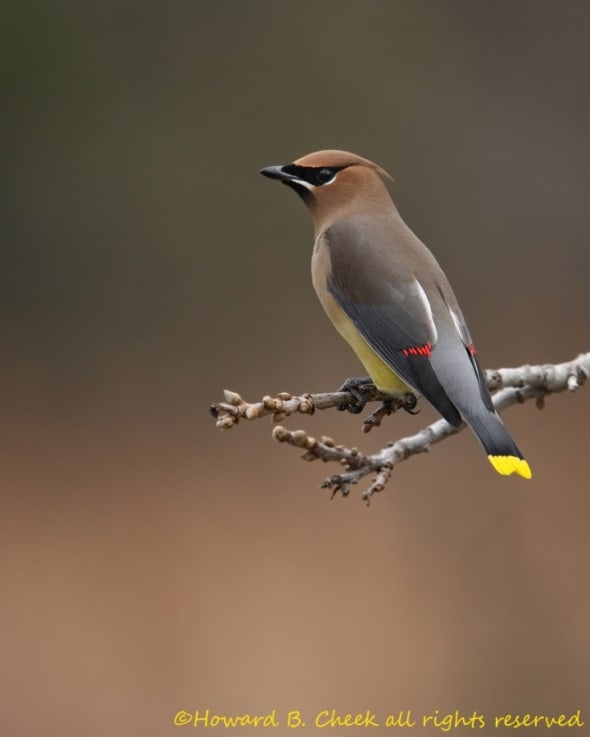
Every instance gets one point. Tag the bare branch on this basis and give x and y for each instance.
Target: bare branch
(513, 386)
(230, 412)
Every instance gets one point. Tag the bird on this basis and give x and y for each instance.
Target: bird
(387, 296)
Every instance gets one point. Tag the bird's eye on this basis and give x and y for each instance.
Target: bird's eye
(325, 175)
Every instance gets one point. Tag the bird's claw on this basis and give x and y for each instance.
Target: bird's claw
(409, 404)
(355, 387)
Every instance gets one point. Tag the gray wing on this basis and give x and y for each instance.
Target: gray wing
(388, 306)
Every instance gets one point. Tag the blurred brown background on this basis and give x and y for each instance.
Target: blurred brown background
(152, 564)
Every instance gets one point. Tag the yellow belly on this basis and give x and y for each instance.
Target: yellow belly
(383, 376)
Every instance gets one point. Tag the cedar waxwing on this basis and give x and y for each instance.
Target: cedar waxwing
(388, 297)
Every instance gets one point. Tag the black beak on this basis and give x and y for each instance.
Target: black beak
(276, 172)
(287, 177)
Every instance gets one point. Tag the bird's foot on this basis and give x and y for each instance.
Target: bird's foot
(356, 387)
(407, 402)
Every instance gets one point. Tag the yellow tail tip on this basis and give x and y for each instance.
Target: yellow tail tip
(511, 464)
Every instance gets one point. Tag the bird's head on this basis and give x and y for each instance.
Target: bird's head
(333, 183)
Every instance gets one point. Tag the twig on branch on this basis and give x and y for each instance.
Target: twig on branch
(234, 409)
(512, 386)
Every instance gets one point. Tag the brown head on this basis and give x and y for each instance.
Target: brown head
(334, 184)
